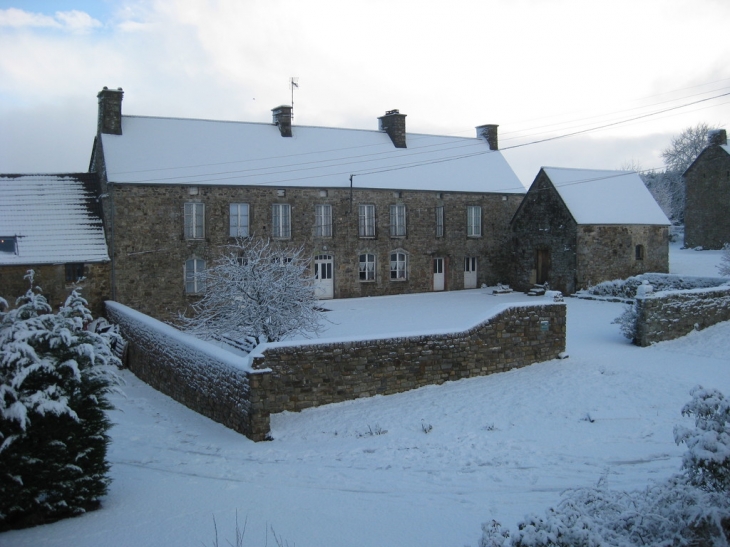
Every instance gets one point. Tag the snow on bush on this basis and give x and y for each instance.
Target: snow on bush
(707, 460)
(688, 509)
(724, 266)
(626, 288)
(627, 321)
(257, 292)
(54, 380)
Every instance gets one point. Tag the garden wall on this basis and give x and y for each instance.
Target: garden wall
(284, 376)
(295, 377)
(669, 315)
(205, 378)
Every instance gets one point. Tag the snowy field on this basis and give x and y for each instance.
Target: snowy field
(497, 447)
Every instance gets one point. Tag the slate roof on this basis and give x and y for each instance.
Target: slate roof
(155, 150)
(54, 219)
(606, 197)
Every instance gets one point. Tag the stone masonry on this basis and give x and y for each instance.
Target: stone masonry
(707, 207)
(51, 278)
(150, 248)
(295, 377)
(669, 315)
(302, 376)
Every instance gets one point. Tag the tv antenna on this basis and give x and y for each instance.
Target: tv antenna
(293, 82)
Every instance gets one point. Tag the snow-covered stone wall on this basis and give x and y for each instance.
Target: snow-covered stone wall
(297, 377)
(242, 395)
(199, 375)
(668, 315)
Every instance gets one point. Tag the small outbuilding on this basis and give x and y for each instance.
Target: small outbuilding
(578, 227)
(52, 224)
(707, 204)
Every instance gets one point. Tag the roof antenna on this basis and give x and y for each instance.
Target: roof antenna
(293, 82)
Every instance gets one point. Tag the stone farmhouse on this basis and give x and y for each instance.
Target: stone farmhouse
(578, 227)
(707, 205)
(380, 212)
(53, 225)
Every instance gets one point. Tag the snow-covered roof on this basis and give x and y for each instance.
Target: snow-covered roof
(725, 147)
(204, 152)
(51, 218)
(596, 196)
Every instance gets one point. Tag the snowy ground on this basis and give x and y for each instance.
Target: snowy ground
(498, 447)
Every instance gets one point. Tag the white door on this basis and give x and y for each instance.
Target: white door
(438, 274)
(324, 286)
(470, 272)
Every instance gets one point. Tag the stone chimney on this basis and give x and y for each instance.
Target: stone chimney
(110, 111)
(489, 134)
(282, 118)
(717, 137)
(394, 124)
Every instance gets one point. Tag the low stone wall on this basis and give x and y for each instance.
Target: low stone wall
(243, 395)
(297, 377)
(669, 315)
(203, 377)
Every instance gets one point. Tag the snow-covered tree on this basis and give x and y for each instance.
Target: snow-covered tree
(54, 380)
(689, 509)
(256, 292)
(707, 460)
(724, 266)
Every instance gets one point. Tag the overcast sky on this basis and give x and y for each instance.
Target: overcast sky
(538, 68)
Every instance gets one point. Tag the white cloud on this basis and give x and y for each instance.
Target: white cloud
(73, 21)
(77, 21)
(14, 17)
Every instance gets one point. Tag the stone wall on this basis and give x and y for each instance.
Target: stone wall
(578, 255)
(51, 278)
(607, 252)
(669, 315)
(543, 223)
(150, 249)
(297, 377)
(706, 218)
(222, 387)
(206, 379)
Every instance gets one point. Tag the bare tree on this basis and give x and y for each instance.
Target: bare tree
(680, 154)
(254, 293)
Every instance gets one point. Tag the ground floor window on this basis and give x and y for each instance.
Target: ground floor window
(398, 266)
(639, 252)
(367, 267)
(194, 269)
(74, 272)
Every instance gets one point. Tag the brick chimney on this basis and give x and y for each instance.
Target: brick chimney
(717, 137)
(282, 118)
(394, 124)
(110, 111)
(489, 134)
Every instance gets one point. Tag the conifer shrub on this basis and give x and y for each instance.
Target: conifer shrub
(54, 381)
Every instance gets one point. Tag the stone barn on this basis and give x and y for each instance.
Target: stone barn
(578, 227)
(52, 224)
(707, 205)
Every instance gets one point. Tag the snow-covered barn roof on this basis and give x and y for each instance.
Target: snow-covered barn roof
(204, 152)
(50, 219)
(606, 197)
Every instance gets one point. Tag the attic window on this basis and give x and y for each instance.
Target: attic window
(8, 245)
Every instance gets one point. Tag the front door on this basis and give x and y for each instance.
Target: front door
(324, 286)
(470, 272)
(542, 266)
(438, 274)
